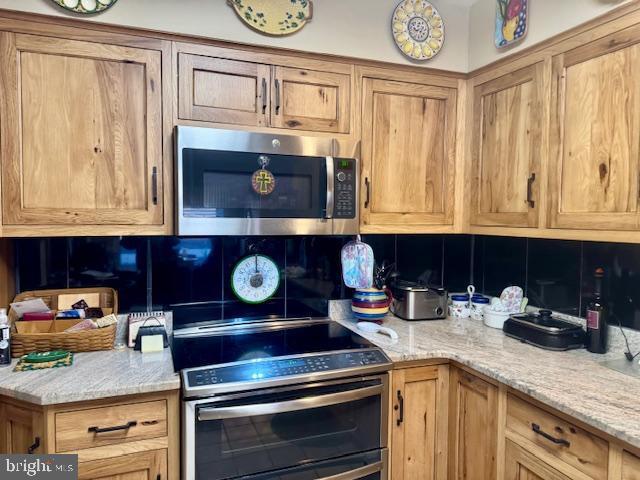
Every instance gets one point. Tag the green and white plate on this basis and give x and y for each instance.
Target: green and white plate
(418, 29)
(274, 17)
(255, 279)
(85, 6)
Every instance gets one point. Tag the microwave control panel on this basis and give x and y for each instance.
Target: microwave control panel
(345, 188)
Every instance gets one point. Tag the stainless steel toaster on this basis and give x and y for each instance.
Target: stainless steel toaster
(414, 301)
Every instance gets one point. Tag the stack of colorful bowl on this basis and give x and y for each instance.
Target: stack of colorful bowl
(370, 304)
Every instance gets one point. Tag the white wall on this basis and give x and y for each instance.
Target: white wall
(547, 18)
(357, 28)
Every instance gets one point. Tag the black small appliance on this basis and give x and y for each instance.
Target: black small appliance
(543, 330)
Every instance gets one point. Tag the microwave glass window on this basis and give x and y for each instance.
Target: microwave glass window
(219, 184)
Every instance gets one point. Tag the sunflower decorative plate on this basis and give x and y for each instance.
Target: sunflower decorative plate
(85, 6)
(418, 29)
(274, 17)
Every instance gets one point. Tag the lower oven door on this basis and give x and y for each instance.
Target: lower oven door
(253, 433)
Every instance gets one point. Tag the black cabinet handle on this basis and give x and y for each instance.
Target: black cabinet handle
(154, 185)
(127, 426)
(400, 409)
(530, 200)
(35, 446)
(264, 96)
(367, 188)
(558, 441)
(277, 96)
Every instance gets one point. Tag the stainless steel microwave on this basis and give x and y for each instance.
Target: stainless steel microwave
(232, 182)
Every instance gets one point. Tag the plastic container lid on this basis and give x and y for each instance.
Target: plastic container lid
(480, 299)
(460, 297)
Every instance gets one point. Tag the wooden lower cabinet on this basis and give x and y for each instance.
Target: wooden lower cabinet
(419, 423)
(151, 465)
(20, 429)
(473, 427)
(523, 465)
(630, 467)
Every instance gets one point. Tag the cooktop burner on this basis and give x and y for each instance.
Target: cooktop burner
(238, 342)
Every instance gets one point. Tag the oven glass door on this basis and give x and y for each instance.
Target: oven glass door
(284, 429)
(222, 184)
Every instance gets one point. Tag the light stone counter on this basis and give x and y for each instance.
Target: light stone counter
(572, 382)
(93, 375)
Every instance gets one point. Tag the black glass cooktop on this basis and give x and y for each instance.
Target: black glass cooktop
(287, 337)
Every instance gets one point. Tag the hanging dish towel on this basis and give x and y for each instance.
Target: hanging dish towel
(357, 264)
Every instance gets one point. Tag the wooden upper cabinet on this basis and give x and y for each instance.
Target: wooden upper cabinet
(408, 153)
(507, 135)
(595, 135)
(523, 465)
(223, 91)
(81, 132)
(310, 100)
(419, 423)
(473, 427)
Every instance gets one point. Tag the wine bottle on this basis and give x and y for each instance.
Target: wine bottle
(597, 329)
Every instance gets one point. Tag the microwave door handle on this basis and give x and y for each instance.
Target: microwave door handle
(330, 188)
(306, 403)
(358, 473)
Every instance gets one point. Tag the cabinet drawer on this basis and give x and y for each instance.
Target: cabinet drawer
(109, 425)
(569, 443)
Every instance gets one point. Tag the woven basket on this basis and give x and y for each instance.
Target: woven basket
(48, 335)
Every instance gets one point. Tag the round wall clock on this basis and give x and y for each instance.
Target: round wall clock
(418, 29)
(274, 17)
(86, 6)
(255, 279)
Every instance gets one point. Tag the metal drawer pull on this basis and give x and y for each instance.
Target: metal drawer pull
(289, 405)
(358, 473)
(154, 185)
(400, 406)
(277, 96)
(558, 441)
(530, 200)
(147, 423)
(264, 96)
(35, 446)
(127, 426)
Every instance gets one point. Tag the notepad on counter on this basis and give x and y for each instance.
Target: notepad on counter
(138, 319)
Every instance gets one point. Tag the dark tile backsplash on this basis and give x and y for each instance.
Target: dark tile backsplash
(173, 272)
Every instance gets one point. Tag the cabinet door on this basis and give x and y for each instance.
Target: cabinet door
(473, 427)
(522, 465)
(311, 100)
(223, 91)
(408, 151)
(595, 135)
(419, 423)
(81, 132)
(150, 465)
(19, 428)
(507, 134)
(630, 466)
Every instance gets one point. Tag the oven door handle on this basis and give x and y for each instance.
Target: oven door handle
(209, 413)
(358, 473)
(330, 188)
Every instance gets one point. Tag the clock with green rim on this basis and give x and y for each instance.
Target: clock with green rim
(255, 279)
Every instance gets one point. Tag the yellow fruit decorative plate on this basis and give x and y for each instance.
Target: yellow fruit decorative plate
(274, 17)
(418, 29)
(85, 6)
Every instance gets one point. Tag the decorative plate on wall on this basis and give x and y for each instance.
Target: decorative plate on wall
(418, 29)
(512, 19)
(86, 6)
(274, 17)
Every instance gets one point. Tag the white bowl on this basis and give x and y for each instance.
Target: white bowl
(494, 319)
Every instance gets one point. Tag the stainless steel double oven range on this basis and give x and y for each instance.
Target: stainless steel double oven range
(297, 399)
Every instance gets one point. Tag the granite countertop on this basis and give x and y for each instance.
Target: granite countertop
(93, 375)
(572, 382)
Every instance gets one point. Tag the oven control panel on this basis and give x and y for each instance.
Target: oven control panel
(267, 368)
(345, 188)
